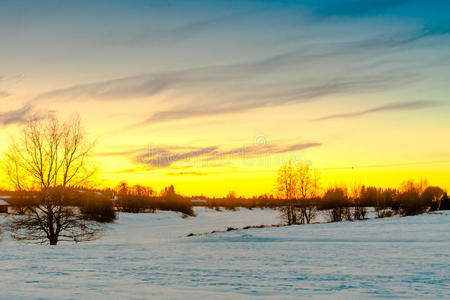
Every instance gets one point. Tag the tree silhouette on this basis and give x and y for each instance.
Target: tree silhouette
(287, 189)
(50, 157)
(308, 184)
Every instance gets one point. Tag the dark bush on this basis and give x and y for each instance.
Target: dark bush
(433, 196)
(445, 202)
(359, 204)
(369, 196)
(97, 207)
(174, 202)
(135, 199)
(19, 202)
(337, 203)
(411, 203)
(359, 212)
(385, 204)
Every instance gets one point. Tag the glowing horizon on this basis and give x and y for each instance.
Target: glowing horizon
(213, 96)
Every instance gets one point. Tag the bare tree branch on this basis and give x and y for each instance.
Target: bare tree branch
(49, 158)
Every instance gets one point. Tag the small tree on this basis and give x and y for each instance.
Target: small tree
(308, 181)
(50, 157)
(410, 200)
(298, 187)
(433, 196)
(445, 202)
(287, 189)
(359, 209)
(385, 205)
(369, 195)
(175, 202)
(336, 201)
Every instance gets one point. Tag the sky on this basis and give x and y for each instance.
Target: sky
(214, 96)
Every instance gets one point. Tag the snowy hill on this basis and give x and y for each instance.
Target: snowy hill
(149, 256)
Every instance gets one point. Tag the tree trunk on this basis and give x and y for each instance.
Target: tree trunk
(53, 240)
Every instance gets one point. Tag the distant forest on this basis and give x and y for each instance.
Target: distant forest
(342, 202)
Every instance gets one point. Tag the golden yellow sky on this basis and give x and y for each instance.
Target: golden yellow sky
(215, 97)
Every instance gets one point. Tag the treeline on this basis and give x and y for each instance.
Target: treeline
(139, 199)
(340, 203)
(102, 205)
(233, 202)
(409, 199)
(301, 204)
(92, 204)
(298, 187)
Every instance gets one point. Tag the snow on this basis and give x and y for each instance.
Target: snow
(149, 256)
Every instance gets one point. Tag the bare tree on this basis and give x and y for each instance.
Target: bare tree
(298, 185)
(287, 189)
(308, 181)
(354, 193)
(50, 157)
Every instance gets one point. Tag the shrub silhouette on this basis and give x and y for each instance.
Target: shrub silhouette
(445, 202)
(385, 203)
(135, 199)
(433, 196)
(369, 196)
(411, 203)
(96, 206)
(359, 212)
(172, 201)
(138, 199)
(335, 200)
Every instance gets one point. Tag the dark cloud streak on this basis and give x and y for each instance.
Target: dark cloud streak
(164, 158)
(397, 106)
(366, 7)
(4, 94)
(18, 116)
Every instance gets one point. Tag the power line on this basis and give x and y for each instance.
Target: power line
(387, 165)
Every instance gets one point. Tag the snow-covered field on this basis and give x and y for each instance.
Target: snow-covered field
(149, 256)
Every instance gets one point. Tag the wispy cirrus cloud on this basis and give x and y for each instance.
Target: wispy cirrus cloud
(351, 8)
(4, 94)
(166, 156)
(323, 57)
(163, 158)
(245, 84)
(17, 116)
(148, 85)
(133, 151)
(289, 94)
(188, 30)
(396, 106)
(193, 173)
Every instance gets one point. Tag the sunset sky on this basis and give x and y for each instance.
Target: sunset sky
(213, 96)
